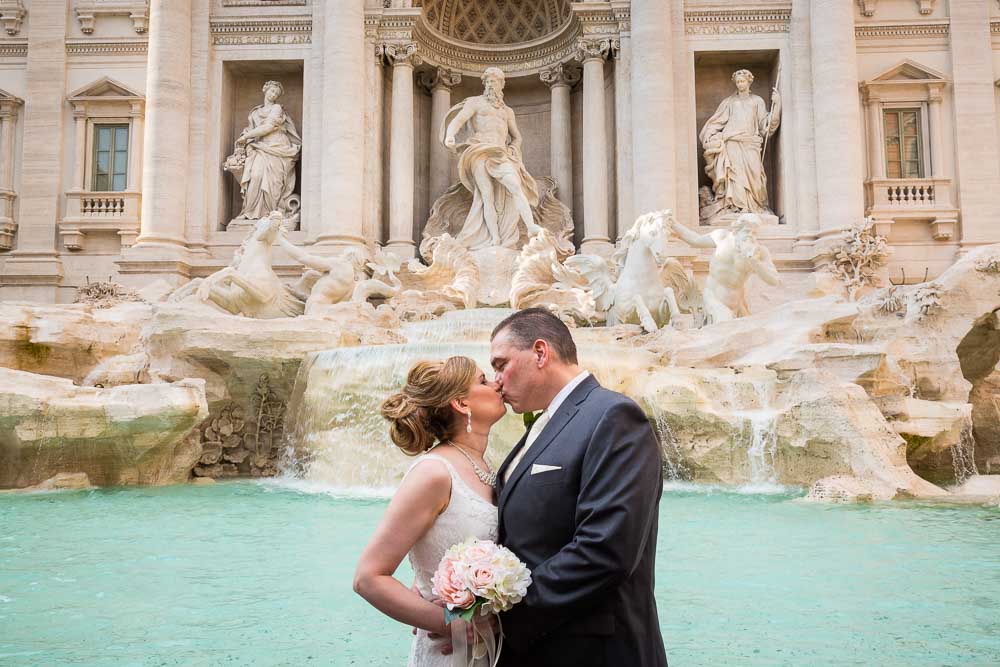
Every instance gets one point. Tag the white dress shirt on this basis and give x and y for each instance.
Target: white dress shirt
(543, 419)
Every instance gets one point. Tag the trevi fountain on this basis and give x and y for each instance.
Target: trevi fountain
(229, 228)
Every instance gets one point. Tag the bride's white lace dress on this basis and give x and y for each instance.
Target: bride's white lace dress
(468, 515)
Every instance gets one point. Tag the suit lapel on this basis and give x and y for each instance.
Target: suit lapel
(557, 422)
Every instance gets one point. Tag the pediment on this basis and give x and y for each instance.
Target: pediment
(105, 88)
(9, 98)
(908, 71)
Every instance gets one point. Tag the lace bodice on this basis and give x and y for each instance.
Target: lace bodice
(468, 515)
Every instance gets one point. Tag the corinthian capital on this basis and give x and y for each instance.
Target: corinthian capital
(442, 77)
(593, 49)
(560, 75)
(402, 54)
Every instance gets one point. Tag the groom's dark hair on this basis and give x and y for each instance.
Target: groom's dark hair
(531, 324)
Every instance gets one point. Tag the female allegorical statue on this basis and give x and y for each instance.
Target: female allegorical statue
(268, 149)
(733, 139)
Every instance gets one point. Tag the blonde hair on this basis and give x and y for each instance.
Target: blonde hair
(420, 415)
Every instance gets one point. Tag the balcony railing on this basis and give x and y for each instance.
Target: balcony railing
(100, 211)
(927, 199)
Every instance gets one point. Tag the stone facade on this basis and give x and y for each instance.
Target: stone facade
(609, 96)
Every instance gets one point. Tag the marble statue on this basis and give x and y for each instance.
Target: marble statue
(738, 255)
(416, 291)
(641, 283)
(327, 281)
(541, 279)
(734, 140)
(248, 286)
(483, 131)
(264, 161)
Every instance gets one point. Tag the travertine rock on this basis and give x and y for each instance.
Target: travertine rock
(67, 341)
(63, 481)
(748, 427)
(136, 434)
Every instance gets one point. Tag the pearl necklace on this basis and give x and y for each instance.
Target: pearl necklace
(487, 478)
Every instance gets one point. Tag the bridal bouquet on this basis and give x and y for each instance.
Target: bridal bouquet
(479, 576)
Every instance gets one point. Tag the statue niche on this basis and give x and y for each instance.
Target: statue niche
(497, 204)
(735, 140)
(263, 162)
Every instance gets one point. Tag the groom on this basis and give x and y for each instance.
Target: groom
(578, 500)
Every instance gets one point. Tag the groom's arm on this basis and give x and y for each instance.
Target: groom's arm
(621, 479)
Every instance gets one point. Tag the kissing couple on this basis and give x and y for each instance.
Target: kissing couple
(575, 500)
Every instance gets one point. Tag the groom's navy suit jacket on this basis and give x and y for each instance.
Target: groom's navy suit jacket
(588, 532)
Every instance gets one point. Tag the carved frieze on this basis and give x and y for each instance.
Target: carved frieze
(263, 3)
(737, 21)
(88, 11)
(11, 15)
(89, 47)
(868, 7)
(261, 31)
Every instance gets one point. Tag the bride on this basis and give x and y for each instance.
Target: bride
(443, 415)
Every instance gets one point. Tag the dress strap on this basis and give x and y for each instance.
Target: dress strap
(433, 457)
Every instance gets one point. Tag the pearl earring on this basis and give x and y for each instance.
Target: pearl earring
(468, 425)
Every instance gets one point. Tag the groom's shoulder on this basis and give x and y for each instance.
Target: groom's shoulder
(607, 399)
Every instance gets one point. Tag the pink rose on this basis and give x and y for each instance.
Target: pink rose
(481, 578)
(448, 586)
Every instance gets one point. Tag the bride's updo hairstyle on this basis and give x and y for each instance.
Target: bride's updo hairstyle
(420, 415)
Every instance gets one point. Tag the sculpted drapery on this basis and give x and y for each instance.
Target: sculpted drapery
(272, 148)
(733, 139)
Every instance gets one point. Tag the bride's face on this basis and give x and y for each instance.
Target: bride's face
(485, 402)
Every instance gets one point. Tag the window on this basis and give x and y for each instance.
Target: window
(903, 144)
(110, 158)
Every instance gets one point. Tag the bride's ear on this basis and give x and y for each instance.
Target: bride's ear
(460, 405)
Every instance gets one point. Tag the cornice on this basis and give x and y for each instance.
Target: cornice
(103, 47)
(260, 31)
(12, 49)
(901, 31)
(263, 3)
(737, 21)
(995, 27)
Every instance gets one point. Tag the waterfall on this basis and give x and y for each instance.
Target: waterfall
(336, 432)
(762, 446)
(963, 456)
(674, 468)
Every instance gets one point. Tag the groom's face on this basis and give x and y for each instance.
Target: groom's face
(517, 373)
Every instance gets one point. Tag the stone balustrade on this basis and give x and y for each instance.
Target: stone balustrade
(893, 199)
(100, 211)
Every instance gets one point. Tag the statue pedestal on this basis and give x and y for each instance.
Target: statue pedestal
(496, 271)
(245, 225)
(724, 220)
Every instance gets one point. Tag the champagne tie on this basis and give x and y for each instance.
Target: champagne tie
(536, 428)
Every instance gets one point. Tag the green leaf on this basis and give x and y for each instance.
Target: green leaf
(529, 418)
(464, 614)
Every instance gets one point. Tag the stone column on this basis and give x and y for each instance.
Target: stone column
(560, 79)
(373, 145)
(80, 148)
(654, 182)
(165, 147)
(401, 174)
(876, 162)
(135, 150)
(939, 157)
(596, 240)
(975, 121)
(8, 116)
(34, 271)
(341, 220)
(440, 84)
(622, 49)
(836, 118)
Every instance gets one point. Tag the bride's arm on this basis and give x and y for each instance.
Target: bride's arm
(423, 495)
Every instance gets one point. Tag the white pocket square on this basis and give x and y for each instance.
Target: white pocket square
(538, 467)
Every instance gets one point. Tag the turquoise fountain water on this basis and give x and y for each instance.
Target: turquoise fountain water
(252, 573)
